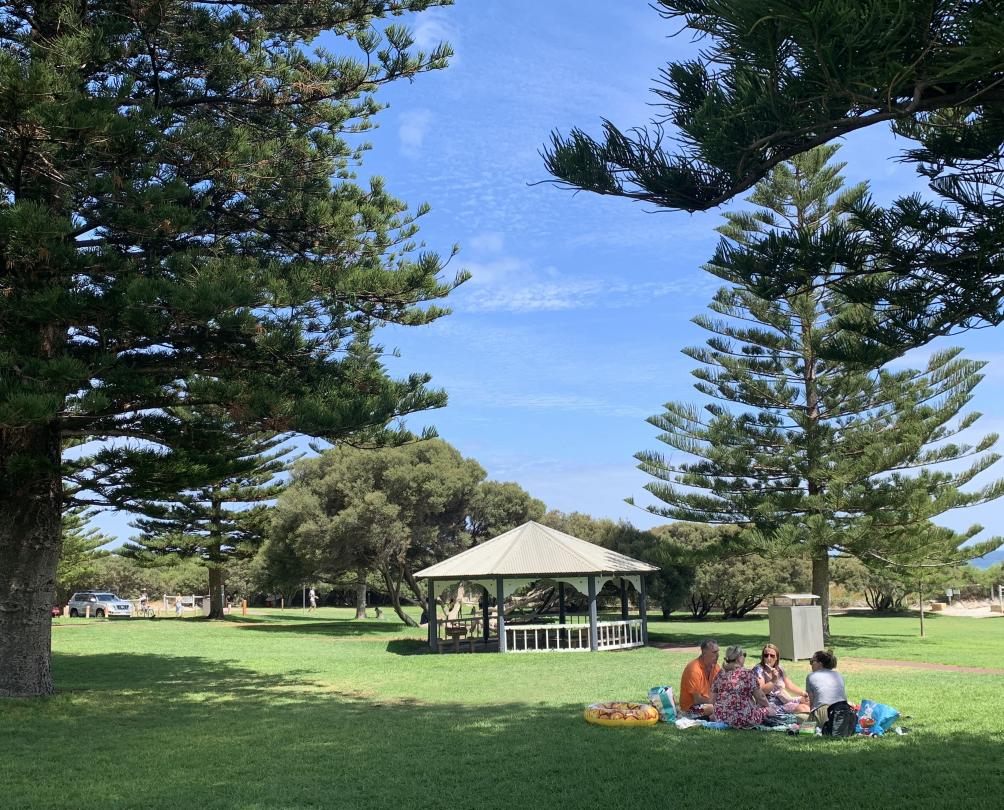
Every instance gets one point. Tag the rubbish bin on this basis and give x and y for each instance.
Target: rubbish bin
(796, 625)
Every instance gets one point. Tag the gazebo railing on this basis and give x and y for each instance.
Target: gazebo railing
(611, 635)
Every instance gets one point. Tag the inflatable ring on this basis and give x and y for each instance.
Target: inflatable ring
(621, 714)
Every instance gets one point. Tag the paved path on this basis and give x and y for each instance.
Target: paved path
(869, 662)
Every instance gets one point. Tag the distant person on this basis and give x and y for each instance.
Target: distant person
(379, 612)
(824, 685)
(143, 601)
(178, 606)
(775, 683)
(313, 600)
(698, 675)
(738, 700)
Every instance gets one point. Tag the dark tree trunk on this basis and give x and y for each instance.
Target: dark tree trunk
(821, 587)
(215, 592)
(216, 560)
(361, 593)
(31, 503)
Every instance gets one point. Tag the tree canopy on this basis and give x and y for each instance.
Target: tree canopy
(224, 519)
(391, 510)
(180, 226)
(776, 78)
(808, 454)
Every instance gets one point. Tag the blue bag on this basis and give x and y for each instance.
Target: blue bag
(662, 698)
(875, 718)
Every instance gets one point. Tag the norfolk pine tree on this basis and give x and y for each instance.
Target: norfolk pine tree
(224, 520)
(773, 79)
(179, 226)
(79, 553)
(821, 455)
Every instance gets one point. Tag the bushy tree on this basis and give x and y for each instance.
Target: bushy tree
(179, 227)
(668, 587)
(391, 510)
(498, 506)
(776, 78)
(720, 572)
(809, 454)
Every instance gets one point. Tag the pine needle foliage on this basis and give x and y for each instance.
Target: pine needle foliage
(79, 554)
(775, 78)
(808, 454)
(180, 227)
(222, 521)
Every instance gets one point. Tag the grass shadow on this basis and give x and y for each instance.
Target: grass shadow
(331, 628)
(186, 730)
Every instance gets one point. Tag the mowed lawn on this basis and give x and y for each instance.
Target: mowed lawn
(290, 710)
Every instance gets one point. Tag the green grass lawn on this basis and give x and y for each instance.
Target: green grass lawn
(294, 711)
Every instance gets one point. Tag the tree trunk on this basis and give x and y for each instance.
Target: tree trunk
(361, 593)
(215, 592)
(31, 502)
(821, 587)
(394, 591)
(456, 609)
(216, 558)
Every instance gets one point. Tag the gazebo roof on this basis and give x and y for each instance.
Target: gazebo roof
(534, 550)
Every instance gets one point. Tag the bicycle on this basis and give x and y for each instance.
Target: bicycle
(146, 612)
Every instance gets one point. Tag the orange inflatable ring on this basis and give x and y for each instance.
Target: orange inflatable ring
(621, 714)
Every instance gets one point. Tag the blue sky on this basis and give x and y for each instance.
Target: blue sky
(569, 333)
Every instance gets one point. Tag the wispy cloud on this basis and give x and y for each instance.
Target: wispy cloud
(489, 242)
(432, 29)
(413, 126)
(510, 284)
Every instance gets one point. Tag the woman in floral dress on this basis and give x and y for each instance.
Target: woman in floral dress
(738, 700)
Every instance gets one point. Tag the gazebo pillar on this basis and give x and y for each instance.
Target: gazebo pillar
(561, 603)
(624, 600)
(594, 641)
(485, 610)
(500, 600)
(431, 614)
(643, 609)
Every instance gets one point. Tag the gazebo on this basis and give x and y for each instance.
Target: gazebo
(530, 553)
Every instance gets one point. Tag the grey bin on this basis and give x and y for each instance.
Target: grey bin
(796, 625)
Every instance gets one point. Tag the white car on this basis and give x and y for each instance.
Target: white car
(101, 604)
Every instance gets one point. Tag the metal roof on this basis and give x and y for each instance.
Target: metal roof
(533, 549)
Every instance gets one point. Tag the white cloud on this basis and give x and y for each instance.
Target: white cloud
(412, 129)
(432, 29)
(511, 285)
(488, 242)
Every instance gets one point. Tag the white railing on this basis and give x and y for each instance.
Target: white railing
(613, 635)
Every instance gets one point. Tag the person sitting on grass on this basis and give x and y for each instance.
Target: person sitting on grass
(824, 685)
(695, 683)
(738, 700)
(776, 685)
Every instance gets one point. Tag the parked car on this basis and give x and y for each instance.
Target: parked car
(101, 604)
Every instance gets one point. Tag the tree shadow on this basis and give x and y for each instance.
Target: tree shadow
(333, 629)
(185, 730)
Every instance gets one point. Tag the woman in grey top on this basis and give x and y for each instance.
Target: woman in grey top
(825, 686)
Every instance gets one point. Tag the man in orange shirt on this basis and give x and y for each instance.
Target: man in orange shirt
(698, 675)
